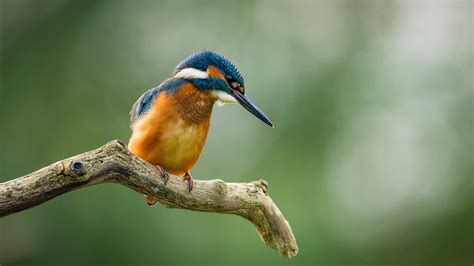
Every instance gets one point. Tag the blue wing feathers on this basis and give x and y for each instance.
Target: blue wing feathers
(144, 103)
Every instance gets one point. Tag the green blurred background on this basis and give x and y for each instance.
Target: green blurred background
(371, 159)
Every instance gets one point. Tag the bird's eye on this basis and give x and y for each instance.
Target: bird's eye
(234, 84)
(231, 81)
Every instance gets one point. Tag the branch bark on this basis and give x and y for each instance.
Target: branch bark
(113, 163)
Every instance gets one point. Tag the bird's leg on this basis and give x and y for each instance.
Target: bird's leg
(163, 173)
(151, 200)
(187, 177)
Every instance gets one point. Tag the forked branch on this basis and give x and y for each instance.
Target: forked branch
(113, 163)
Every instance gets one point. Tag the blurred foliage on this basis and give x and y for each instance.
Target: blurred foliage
(371, 158)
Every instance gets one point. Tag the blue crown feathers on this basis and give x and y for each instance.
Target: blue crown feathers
(203, 59)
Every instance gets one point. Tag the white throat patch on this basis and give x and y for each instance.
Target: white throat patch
(192, 73)
(223, 98)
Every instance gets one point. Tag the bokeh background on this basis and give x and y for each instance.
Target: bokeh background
(371, 159)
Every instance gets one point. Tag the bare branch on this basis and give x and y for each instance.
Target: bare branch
(113, 163)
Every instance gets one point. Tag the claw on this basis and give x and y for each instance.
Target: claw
(163, 174)
(187, 177)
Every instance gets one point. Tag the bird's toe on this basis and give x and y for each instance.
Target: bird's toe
(187, 177)
(163, 173)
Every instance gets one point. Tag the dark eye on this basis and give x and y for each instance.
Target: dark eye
(231, 81)
(234, 84)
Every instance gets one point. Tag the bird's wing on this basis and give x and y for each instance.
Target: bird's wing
(144, 103)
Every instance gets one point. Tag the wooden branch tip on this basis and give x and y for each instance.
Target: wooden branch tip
(113, 163)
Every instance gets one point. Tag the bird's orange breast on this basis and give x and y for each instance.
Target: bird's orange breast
(173, 132)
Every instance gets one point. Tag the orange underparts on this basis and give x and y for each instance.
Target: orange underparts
(173, 132)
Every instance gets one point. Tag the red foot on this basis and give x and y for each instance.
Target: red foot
(163, 173)
(187, 177)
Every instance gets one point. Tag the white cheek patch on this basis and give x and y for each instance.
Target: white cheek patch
(223, 98)
(192, 73)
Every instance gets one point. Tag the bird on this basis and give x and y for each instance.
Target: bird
(170, 122)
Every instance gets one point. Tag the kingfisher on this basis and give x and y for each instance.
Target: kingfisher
(170, 122)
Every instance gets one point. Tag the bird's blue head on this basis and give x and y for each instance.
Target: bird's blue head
(210, 71)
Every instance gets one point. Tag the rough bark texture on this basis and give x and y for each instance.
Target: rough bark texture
(113, 163)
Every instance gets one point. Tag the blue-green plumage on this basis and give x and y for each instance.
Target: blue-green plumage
(144, 103)
(203, 59)
(170, 122)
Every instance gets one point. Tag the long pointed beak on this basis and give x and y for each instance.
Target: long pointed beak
(247, 104)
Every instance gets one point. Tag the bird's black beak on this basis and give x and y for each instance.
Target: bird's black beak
(247, 104)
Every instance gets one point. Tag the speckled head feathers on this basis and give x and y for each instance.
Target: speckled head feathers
(203, 59)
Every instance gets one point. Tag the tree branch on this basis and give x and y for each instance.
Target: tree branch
(113, 163)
